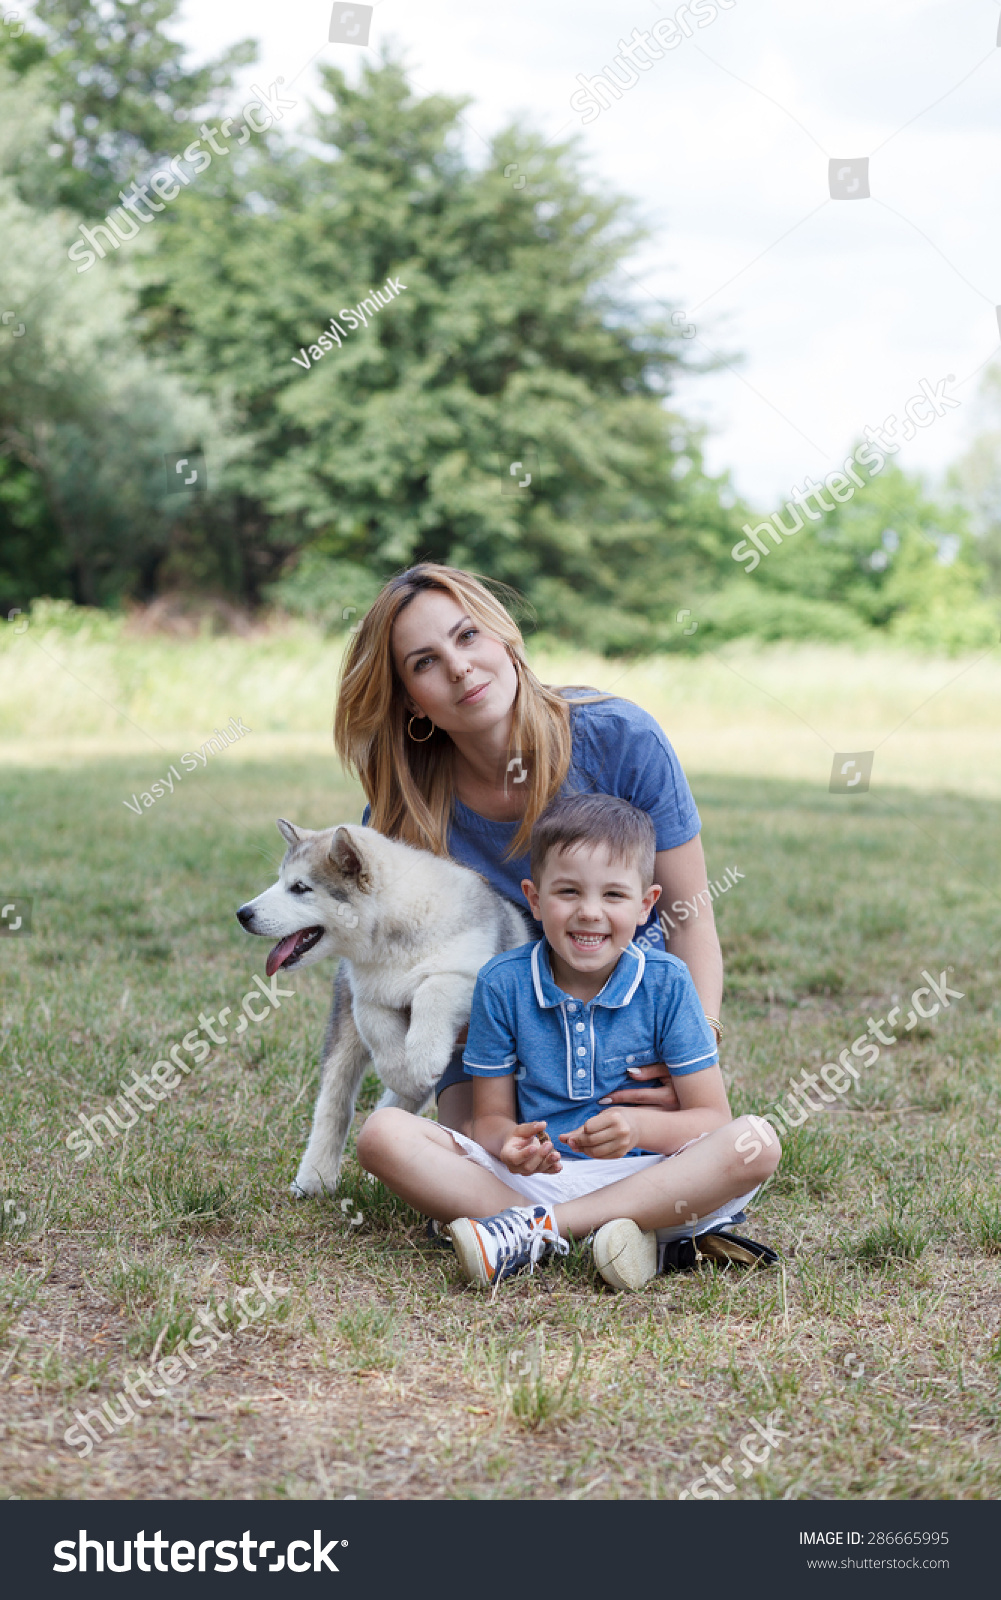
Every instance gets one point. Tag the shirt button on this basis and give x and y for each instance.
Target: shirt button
(580, 1072)
(580, 1027)
(571, 1008)
(630, 1059)
(581, 1050)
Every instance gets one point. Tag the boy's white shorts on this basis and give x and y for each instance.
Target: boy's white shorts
(581, 1176)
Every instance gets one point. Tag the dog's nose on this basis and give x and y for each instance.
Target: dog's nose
(245, 916)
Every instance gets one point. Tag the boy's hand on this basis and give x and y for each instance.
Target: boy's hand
(659, 1096)
(606, 1137)
(528, 1148)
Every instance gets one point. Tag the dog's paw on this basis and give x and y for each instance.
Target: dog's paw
(309, 1184)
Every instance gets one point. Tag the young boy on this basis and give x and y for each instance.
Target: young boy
(555, 1028)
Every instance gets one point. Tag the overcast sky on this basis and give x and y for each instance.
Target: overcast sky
(839, 307)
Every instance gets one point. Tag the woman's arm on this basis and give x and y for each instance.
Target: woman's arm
(681, 873)
(702, 1107)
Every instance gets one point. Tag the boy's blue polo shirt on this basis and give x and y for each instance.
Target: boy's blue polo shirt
(567, 1054)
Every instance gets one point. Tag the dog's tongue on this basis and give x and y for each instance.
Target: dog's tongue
(280, 954)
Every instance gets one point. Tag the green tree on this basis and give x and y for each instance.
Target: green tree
(85, 420)
(511, 333)
(122, 98)
(85, 415)
(896, 558)
(976, 479)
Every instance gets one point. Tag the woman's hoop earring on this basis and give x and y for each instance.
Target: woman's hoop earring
(410, 729)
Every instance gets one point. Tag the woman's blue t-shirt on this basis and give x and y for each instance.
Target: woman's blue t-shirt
(617, 748)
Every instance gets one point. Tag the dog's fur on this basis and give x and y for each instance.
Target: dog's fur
(412, 931)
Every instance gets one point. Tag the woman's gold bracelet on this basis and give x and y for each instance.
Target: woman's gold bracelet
(717, 1028)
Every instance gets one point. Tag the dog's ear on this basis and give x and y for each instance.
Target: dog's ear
(289, 832)
(346, 855)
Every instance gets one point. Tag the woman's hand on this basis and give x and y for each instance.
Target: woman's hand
(606, 1137)
(661, 1096)
(528, 1148)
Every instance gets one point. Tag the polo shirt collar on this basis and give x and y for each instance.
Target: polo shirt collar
(618, 991)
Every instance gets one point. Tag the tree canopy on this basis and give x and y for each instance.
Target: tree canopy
(506, 337)
(365, 331)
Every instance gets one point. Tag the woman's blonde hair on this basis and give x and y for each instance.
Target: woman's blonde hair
(409, 785)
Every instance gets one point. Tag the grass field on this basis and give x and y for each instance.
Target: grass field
(379, 1374)
(82, 687)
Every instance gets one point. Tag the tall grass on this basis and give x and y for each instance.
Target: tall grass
(80, 684)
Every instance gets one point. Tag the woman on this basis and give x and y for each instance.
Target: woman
(460, 748)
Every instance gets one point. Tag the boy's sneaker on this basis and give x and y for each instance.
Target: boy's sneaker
(492, 1248)
(625, 1256)
(719, 1245)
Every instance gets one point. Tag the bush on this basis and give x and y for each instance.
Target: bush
(333, 594)
(747, 610)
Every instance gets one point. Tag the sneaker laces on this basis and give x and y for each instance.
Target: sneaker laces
(509, 1230)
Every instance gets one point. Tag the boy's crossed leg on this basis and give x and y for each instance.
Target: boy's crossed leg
(422, 1163)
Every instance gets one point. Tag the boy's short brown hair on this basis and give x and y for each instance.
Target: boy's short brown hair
(627, 832)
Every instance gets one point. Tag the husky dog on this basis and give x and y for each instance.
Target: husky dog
(413, 930)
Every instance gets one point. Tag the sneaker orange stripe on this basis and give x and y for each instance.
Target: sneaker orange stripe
(488, 1270)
